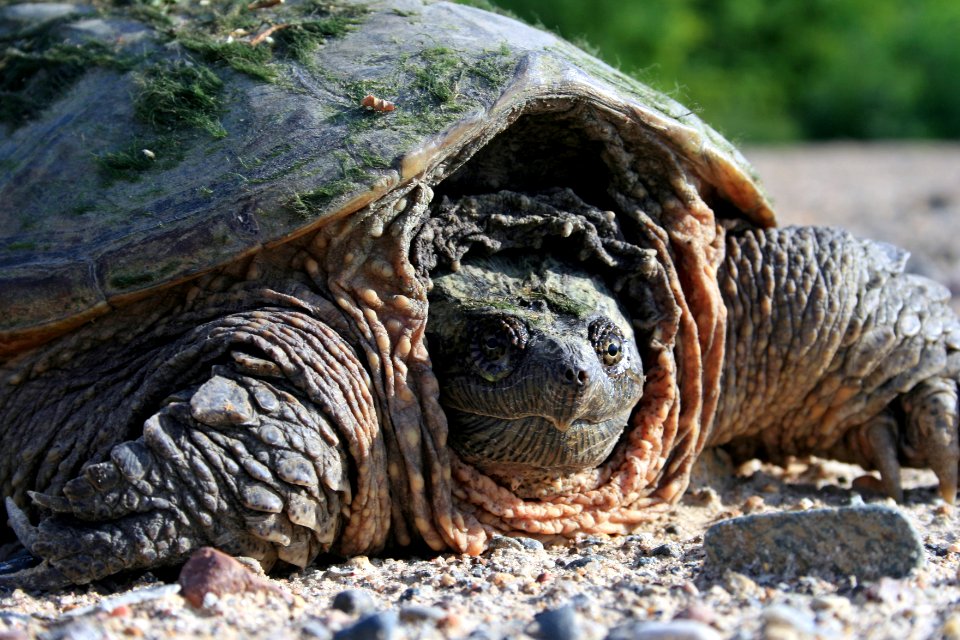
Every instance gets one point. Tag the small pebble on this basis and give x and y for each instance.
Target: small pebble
(836, 604)
(666, 550)
(530, 544)
(868, 484)
(740, 585)
(889, 591)
(561, 623)
(447, 580)
(698, 612)
(579, 563)
(214, 572)
(417, 613)
(360, 562)
(410, 593)
(753, 504)
(951, 627)
(675, 630)
(354, 601)
(376, 626)
(788, 619)
(504, 542)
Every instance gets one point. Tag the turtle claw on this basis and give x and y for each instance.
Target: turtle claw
(882, 439)
(26, 533)
(53, 503)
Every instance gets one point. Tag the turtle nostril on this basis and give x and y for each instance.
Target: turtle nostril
(576, 376)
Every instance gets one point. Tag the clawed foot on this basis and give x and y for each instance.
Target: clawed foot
(922, 432)
(214, 467)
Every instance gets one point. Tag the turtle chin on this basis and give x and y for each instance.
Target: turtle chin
(530, 455)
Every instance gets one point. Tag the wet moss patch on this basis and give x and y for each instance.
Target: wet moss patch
(139, 156)
(311, 203)
(252, 41)
(133, 279)
(175, 94)
(431, 89)
(299, 41)
(440, 75)
(255, 61)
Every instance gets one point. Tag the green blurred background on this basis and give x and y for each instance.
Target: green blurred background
(780, 70)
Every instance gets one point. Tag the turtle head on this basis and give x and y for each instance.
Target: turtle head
(538, 369)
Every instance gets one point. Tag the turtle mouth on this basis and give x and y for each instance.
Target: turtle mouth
(533, 443)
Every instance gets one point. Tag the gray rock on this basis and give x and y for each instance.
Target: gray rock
(355, 601)
(675, 630)
(378, 626)
(561, 623)
(868, 542)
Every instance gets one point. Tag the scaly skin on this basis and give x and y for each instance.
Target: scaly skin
(833, 350)
(247, 452)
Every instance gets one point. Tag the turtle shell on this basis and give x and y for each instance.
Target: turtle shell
(142, 149)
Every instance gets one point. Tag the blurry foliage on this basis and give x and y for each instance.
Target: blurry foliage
(782, 69)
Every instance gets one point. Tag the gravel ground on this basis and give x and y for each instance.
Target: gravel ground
(620, 587)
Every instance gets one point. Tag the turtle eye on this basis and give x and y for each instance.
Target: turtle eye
(495, 344)
(607, 339)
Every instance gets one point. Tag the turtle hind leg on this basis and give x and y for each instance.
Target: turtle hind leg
(250, 461)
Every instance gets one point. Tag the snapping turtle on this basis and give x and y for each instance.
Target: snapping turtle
(295, 278)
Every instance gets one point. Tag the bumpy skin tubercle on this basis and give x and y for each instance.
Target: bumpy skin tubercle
(833, 350)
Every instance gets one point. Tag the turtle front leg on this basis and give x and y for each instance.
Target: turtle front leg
(833, 350)
(254, 459)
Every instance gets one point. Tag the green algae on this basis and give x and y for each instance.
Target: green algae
(299, 41)
(137, 157)
(174, 94)
(440, 76)
(138, 278)
(254, 61)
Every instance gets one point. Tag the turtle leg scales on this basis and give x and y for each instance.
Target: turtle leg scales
(834, 350)
(251, 460)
